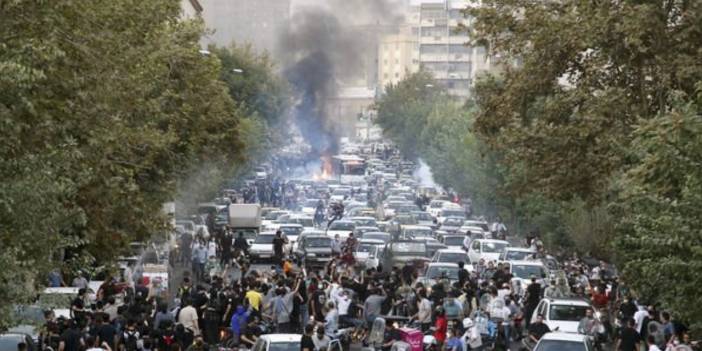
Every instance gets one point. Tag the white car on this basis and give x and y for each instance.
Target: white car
(291, 231)
(306, 221)
(480, 224)
(278, 342)
(452, 256)
(486, 249)
(437, 270)
(564, 341)
(342, 228)
(272, 216)
(564, 314)
(517, 254)
(453, 241)
(262, 247)
(414, 231)
(451, 211)
(369, 252)
(522, 271)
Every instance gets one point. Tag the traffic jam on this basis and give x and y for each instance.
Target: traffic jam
(355, 252)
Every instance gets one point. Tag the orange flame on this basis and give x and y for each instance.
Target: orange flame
(326, 169)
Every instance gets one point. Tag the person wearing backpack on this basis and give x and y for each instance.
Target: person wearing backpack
(166, 336)
(131, 339)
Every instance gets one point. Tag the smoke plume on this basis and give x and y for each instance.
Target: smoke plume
(324, 46)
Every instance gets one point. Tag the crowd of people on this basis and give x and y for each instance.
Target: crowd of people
(222, 302)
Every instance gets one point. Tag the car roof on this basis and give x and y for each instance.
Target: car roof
(443, 264)
(281, 337)
(519, 249)
(371, 233)
(561, 336)
(568, 302)
(527, 263)
(424, 227)
(371, 241)
(62, 290)
(316, 235)
(459, 251)
(266, 233)
(290, 225)
(492, 241)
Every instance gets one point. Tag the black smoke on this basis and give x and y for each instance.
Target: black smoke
(323, 46)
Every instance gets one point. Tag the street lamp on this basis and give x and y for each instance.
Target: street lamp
(238, 70)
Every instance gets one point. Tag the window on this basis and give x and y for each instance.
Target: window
(475, 246)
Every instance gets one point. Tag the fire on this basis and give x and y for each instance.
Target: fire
(326, 169)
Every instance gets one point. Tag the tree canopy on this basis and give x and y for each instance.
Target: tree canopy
(105, 106)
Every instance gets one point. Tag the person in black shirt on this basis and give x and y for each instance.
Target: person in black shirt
(240, 244)
(105, 331)
(463, 275)
(278, 244)
(538, 329)
(71, 339)
(533, 296)
(306, 344)
(629, 339)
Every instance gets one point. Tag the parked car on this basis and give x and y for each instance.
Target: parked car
(342, 228)
(439, 270)
(516, 254)
(315, 250)
(262, 247)
(452, 256)
(453, 241)
(486, 249)
(400, 253)
(558, 341)
(9, 341)
(564, 314)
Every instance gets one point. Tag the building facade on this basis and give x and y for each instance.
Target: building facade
(438, 45)
(255, 22)
(397, 56)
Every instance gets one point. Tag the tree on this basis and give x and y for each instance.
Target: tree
(403, 111)
(105, 105)
(586, 72)
(660, 240)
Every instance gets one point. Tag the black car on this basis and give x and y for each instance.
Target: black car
(314, 250)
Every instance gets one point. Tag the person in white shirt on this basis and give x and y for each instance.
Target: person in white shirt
(639, 317)
(188, 318)
(651, 341)
(466, 241)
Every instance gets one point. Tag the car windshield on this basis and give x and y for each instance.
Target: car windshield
(435, 272)
(366, 222)
(318, 242)
(365, 248)
(342, 226)
(516, 255)
(453, 240)
(417, 232)
(291, 231)
(56, 300)
(452, 257)
(493, 247)
(526, 271)
(567, 313)
(264, 239)
(9, 342)
(423, 217)
(377, 236)
(284, 346)
(436, 204)
(452, 213)
(409, 248)
(560, 345)
(454, 222)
